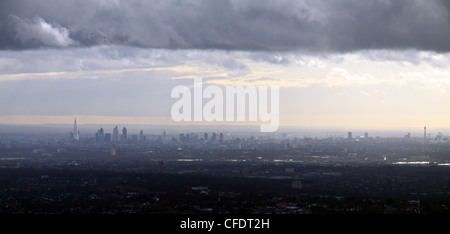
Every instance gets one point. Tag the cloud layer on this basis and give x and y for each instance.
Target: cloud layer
(308, 25)
(338, 61)
(38, 32)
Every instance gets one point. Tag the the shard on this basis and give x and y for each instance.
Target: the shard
(76, 134)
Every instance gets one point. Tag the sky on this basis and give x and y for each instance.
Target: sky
(375, 64)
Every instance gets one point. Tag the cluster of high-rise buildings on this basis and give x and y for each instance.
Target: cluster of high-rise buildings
(102, 137)
(189, 137)
(350, 135)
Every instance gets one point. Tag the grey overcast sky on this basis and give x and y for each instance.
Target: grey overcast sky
(319, 25)
(339, 63)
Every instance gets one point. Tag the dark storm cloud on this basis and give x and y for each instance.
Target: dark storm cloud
(316, 25)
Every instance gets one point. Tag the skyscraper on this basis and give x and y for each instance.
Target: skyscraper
(134, 139)
(115, 134)
(124, 134)
(425, 132)
(100, 136)
(107, 137)
(141, 137)
(76, 134)
(349, 135)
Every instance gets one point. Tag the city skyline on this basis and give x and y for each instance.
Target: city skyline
(153, 127)
(377, 65)
(102, 131)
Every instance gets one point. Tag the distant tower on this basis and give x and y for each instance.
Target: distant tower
(107, 137)
(115, 134)
(134, 139)
(124, 134)
(349, 135)
(100, 136)
(366, 135)
(76, 134)
(425, 132)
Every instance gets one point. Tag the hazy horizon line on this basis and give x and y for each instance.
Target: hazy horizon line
(232, 126)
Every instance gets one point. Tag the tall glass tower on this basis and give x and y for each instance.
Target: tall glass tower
(76, 134)
(116, 134)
